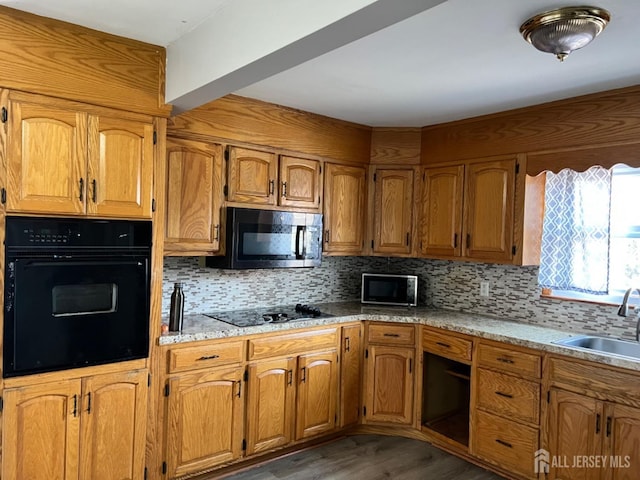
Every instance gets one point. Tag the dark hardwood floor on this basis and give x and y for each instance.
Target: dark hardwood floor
(370, 457)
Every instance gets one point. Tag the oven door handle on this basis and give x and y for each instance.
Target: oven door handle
(301, 249)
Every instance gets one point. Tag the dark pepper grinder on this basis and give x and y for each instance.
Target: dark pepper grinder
(176, 312)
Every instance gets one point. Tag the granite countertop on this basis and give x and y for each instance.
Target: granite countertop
(200, 327)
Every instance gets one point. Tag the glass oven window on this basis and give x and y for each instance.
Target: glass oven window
(89, 299)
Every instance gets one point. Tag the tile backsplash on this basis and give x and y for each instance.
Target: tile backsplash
(514, 291)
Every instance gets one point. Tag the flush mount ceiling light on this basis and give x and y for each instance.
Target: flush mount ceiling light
(564, 30)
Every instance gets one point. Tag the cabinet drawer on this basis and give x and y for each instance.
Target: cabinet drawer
(203, 356)
(509, 360)
(508, 444)
(446, 345)
(292, 343)
(506, 395)
(392, 334)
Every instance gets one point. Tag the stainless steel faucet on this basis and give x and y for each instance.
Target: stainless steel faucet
(623, 310)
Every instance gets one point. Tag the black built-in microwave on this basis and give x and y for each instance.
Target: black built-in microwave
(270, 239)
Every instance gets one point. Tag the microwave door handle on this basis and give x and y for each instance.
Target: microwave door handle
(300, 250)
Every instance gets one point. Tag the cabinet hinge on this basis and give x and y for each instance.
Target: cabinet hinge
(244, 444)
(364, 411)
(145, 473)
(318, 199)
(226, 154)
(374, 177)
(153, 204)
(155, 137)
(5, 115)
(424, 176)
(335, 418)
(517, 168)
(167, 390)
(320, 169)
(371, 243)
(548, 396)
(366, 353)
(246, 375)
(1, 404)
(3, 195)
(164, 468)
(513, 250)
(225, 190)
(149, 380)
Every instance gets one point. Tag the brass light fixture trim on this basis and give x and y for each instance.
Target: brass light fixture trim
(564, 30)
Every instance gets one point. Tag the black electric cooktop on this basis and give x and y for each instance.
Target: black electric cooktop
(263, 316)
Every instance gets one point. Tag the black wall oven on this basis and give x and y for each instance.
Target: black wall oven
(76, 293)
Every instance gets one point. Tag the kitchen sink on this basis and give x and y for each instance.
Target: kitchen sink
(603, 345)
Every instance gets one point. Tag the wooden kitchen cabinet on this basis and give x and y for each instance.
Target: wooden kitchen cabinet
(468, 210)
(317, 394)
(205, 419)
(300, 183)
(350, 375)
(262, 178)
(271, 404)
(592, 410)
(344, 201)
(83, 428)
(393, 211)
(194, 198)
(65, 159)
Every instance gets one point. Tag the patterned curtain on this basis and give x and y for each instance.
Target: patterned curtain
(575, 239)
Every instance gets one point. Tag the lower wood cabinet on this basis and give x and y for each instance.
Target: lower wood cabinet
(271, 404)
(389, 385)
(350, 375)
(580, 426)
(205, 419)
(90, 428)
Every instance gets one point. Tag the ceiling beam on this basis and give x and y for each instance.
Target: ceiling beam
(249, 40)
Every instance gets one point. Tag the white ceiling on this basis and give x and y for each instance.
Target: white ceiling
(456, 60)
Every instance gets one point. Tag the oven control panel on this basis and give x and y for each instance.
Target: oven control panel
(45, 236)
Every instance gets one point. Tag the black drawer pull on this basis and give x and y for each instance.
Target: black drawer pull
(209, 357)
(391, 335)
(608, 426)
(347, 344)
(445, 345)
(290, 377)
(506, 395)
(502, 442)
(505, 360)
(597, 423)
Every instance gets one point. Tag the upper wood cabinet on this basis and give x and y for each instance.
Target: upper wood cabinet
(393, 211)
(468, 210)
(258, 178)
(194, 182)
(64, 160)
(76, 428)
(344, 202)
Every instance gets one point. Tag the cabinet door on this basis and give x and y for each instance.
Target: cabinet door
(441, 226)
(40, 432)
(120, 167)
(252, 176)
(194, 197)
(300, 183)
(389, 385)
(271, 404)
(317, 394)
(622, 442)
(114, 410)
(46, 159)
(575, 429)
(350, 377)
(393, 211)
(344, 188)
(205, 420)
(489, 210)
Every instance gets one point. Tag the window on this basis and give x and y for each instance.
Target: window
(591, 235)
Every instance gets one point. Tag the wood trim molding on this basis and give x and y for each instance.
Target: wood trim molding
(604, 118)
(240, 119)
(59, 59)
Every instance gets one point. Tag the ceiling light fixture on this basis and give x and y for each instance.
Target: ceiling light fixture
(564, 30)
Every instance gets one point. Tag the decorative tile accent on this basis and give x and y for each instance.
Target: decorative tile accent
(514, 291)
